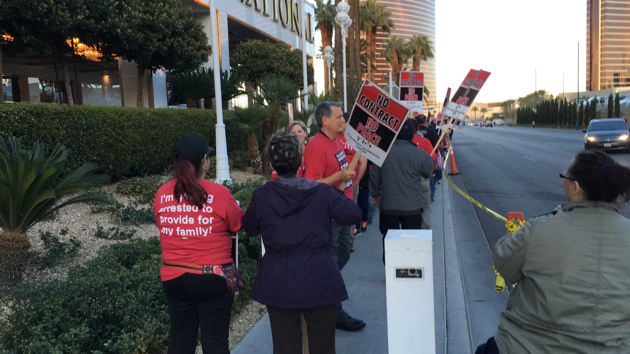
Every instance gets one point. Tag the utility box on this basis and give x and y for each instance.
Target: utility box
(409, 289)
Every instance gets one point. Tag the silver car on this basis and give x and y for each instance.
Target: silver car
(607, 134)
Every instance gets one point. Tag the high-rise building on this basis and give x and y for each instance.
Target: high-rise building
(410, 17)
(608, 44)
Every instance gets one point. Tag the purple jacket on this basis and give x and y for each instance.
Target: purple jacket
(294, 216)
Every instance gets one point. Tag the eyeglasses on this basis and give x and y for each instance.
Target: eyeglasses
(564, 175)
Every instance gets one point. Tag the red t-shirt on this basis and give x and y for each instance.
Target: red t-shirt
(192, 235)
(324, 157)
(350, 152)
(424, 144)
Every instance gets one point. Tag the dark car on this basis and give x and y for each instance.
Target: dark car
(607, 134)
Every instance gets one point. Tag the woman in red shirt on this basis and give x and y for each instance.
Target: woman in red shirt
(195, 218)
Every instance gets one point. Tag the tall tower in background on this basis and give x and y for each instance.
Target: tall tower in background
(410, 17)
(608, 44)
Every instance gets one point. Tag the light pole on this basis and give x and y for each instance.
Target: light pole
(223, 167)
(344, 21)
(328, 56)
(302, 27)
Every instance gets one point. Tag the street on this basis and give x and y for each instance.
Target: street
(516, 169)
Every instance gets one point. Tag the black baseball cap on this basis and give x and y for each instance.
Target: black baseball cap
(193, 147)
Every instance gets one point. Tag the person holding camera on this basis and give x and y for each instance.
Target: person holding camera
(572, 269)
(298, 274)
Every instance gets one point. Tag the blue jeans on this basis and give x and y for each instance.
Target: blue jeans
(371, 208)
(438, 175)
(432, 186)
(363, 202)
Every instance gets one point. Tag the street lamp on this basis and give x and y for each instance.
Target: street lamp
(344, 21)
(304, 70)
(329, 58)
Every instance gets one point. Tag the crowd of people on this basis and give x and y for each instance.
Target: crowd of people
(308, 216)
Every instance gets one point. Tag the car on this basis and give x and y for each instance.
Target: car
(607, 134)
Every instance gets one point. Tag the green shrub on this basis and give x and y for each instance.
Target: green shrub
(239, 160)
(54, 251)
(131, 213)
(144, 188)
(103, 307)
(114, 233)
(122, 141)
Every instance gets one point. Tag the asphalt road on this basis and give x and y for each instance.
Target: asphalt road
(516, 169)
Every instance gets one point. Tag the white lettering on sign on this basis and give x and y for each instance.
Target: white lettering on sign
(412, 83)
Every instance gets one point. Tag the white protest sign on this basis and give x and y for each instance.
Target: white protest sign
(465, 95)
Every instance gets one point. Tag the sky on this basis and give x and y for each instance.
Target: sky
(523, 44)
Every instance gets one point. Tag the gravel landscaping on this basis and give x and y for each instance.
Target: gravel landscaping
(81, 223)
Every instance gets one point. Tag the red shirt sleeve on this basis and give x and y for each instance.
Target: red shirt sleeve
(314, 162)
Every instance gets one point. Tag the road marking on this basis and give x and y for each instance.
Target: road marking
(530, 158)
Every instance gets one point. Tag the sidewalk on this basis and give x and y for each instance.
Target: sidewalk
(466, 306)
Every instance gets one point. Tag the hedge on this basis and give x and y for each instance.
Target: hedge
(122, 141)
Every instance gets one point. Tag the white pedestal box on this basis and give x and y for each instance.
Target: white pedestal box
(409, 288)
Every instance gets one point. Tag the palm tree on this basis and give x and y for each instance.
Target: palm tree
(275, 92)
(325, 18)
(373, 17)
(250, 119)
(475, 110)
(421, 49)
(30, 189)
(396, 52)
(483, 112)
(190, 86)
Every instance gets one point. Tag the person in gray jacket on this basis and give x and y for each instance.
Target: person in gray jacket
(395, 187)
(572, 269)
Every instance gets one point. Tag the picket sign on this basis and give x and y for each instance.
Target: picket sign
(411, 90)
(465, 94)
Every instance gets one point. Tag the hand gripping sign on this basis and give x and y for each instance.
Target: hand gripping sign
(411, 90)
(465, 95)
(374, 123)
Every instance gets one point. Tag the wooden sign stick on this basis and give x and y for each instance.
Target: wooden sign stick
(350, 167)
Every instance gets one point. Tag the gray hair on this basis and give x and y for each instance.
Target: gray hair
(285, 153)
(324, 109)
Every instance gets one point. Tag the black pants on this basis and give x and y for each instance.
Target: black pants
(194, 301)
(490, 347)
(396, 222)
(286, 329)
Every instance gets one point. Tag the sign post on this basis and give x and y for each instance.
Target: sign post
(411, 90)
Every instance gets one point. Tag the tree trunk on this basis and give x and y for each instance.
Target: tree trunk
(338, 48)
(14, 248)
(254, 154)
(270, 126)
(416, 61)
(66, 79)
(1, 92)
(56, 83)
(356, 41)
(353, 70)
(190, 103)
(140, 87)
(324, 30)
(249, 87)
(372, 55)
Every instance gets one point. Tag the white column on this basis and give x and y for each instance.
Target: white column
(345, 95)
(223, 167)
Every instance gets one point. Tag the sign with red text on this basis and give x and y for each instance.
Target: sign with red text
(442, 116)
(466, 93)
(411, 90)
(374, 123)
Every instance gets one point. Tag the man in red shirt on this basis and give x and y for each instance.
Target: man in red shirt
(325, 161)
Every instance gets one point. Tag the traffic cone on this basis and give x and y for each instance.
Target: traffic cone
(453, 165)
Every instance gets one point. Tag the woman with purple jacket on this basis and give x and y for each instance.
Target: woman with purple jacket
(298, 273)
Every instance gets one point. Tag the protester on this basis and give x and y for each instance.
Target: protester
(325, 162)
(572, 268)
(298, 273)
(195, 218)
(298, 128)
(429, 133)
(395, 187)
(359, 170)
(424, 144)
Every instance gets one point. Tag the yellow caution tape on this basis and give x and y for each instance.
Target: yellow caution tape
(513, 222)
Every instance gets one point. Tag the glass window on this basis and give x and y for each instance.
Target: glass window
(607, 125)
(7, 89)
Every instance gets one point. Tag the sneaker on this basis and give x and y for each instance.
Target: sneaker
(370, 221)
(439, 182)
(364, 226)
(357, 232)
(351, 325)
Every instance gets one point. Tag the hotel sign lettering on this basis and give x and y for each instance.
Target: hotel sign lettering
(285, 12)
